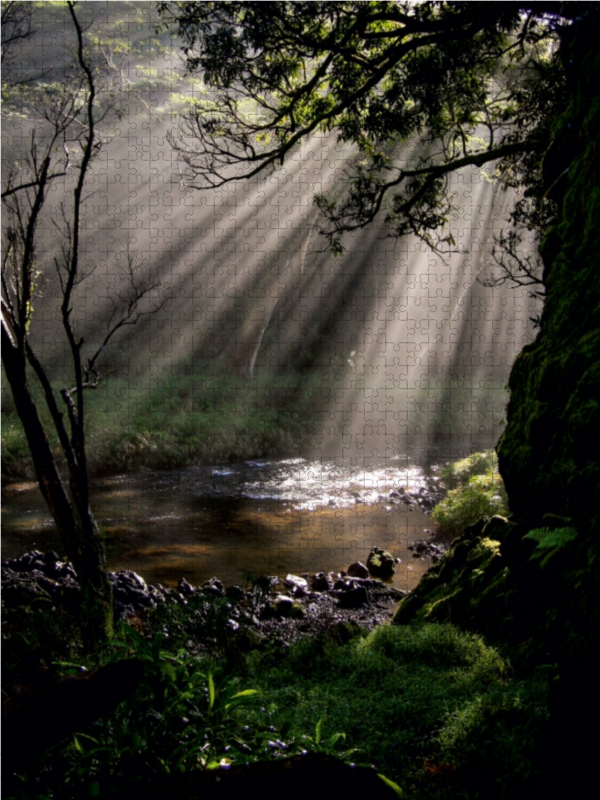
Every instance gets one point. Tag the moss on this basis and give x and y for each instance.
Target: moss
(483, 496)
(548, 455)
(467, 585)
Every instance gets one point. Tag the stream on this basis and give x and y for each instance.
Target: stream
(240, 521)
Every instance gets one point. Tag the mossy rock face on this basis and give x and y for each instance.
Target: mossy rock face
(548, 455)
(469, 585)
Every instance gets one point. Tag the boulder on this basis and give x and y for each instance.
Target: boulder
(185, 588)
(380, 563)
(321, 583)
(299, 585)
(354, 597)
(234, 593)
(214, 586)
(283, 606)
(358, 570)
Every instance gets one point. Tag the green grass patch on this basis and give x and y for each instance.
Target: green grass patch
(182, 420)
(404, 697)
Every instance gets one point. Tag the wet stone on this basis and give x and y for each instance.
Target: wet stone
(354, 598)
(296, 583)
(184, 587)
(358, 570)
(321, 583)
(214, 587)
(268, 610)
(381, 563)
(128, 576)
(234, 593)
(341, 585)
(283, 606)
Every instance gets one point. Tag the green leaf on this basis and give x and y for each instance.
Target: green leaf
(333, 740)
(89, 738)
(211, 691)
(245, 693)
(547, 537)
(549, 542)
(168, 670)
(391, 784)
(318, 730)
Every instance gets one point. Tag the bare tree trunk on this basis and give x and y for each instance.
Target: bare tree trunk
(77, 527)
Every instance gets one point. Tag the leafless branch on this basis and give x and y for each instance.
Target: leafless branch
(514, 266)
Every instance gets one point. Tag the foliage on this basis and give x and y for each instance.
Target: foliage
(16, 459)
(495, 740)
(459, 473)
(476, 83)
(550, 542)
(184, 715)
(118, 40)
(37, 633)
(403, 698)
(397, 694)
(478, 492)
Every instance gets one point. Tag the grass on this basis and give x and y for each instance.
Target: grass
(177, 418)
(432, 708)
(185, 420)
(405, 697)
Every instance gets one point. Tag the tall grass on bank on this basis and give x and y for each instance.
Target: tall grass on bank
(205, 415)
(186, 419)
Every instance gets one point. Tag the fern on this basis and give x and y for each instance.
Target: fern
(549, 542)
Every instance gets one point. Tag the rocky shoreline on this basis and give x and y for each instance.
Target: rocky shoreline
(282, 609)
(278, 608)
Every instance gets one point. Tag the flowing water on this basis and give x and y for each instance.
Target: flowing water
(240, 521)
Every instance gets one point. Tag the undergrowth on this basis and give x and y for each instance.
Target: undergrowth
(432, 708)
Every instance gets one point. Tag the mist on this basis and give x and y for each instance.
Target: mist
(412, 350)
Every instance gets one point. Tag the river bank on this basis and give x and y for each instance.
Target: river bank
(312, 655)
(273, 608)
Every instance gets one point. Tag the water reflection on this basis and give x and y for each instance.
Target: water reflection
(242, 520)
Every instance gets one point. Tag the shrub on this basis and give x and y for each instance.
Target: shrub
(477, 491)
(458, 473)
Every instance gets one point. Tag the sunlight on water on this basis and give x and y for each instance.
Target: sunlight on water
(312, 484)
(252, 518)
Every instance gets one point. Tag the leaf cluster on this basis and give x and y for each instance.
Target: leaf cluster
(550, 542)
(415, 90)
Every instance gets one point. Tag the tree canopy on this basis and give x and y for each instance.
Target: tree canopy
(466, 83)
